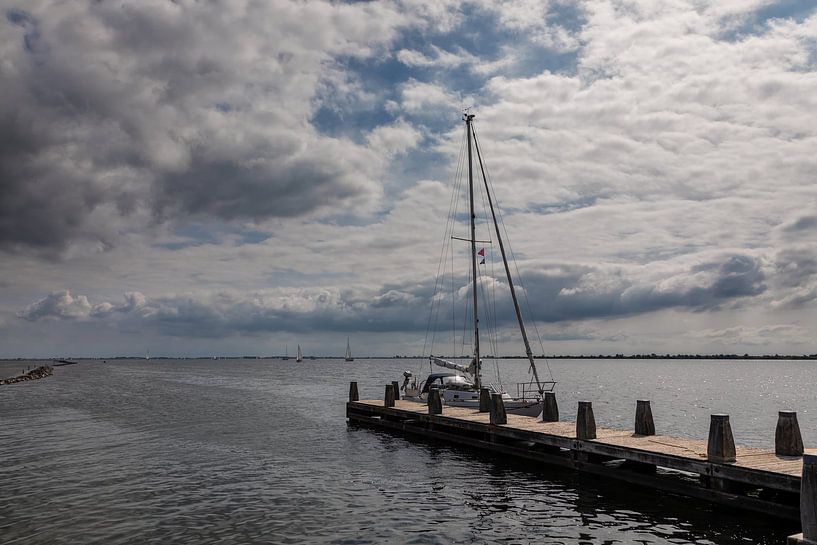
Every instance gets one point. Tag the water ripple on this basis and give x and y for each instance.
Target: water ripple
(228, 452)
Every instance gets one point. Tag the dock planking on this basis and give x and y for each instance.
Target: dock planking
(563, 433)
(758, 479)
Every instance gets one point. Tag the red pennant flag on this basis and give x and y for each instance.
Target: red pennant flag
(481, 252)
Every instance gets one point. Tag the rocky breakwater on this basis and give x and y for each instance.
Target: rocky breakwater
(34, 374)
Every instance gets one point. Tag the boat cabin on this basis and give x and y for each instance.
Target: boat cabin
(447, 381)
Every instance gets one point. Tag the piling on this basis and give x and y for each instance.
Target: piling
(498, 414)
(808, 497)
(721, 444)
(585, 421)
(435, 402)
(759, 480)
(550, 409)
(644, 424)
(396, 386)
(484, 400)
(388, 399)
(787, 438)
(353, 395)
(808, 503)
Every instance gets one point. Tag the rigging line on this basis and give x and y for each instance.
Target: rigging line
(458, 196)
(438, 281)
(496, 318)
(491, 323)
(466, 323)
(450, 245)
(516, 267)
(491, 320)
(459, 189)
(494, 332)
(517, 309)
(493, 302)
(438, 285)
(453, 300)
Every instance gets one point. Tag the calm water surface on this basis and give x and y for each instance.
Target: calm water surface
(258, 451)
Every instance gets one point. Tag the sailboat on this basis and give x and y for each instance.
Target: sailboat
(286, 352)
(348, 351)
(461, 385)
(300, 356)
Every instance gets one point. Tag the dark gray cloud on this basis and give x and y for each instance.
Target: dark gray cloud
(563, 294)
(795, 270)
(578, 293)
(796, 267)
(117, 112)
(801, 224)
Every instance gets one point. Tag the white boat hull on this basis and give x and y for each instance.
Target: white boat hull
(470, 400)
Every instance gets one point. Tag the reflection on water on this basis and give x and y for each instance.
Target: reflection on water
(257, 451)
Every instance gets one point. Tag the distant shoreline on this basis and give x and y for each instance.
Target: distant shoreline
(807, 357)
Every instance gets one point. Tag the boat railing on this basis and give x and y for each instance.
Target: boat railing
(530, 390)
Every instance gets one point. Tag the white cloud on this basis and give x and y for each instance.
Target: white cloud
(56, 305)
(421, 98)
(441, 58)
(397, 138)
(681, 138)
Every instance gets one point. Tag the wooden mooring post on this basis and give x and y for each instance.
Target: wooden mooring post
(787, 438)
(585, 421)
(808, 503)
(484, 400)
(435, 401)
(644, 424)
(776, 482)
(388, 397)
(721, 445)
(550, 409)
(498, 416)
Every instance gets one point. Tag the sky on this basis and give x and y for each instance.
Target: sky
(237, 177)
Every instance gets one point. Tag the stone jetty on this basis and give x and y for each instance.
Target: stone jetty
(34, 374)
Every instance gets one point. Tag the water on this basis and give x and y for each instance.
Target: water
(258, 451)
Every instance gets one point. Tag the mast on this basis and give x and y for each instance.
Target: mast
(528, 351)
(468, 118)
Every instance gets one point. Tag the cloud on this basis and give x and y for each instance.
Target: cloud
(176, 110)
(266, 167)
(796, 273)
(64, 306)
(584, 292)
(806, 223)
(556, 294)
(58, 305)
(439, 58)
(426, 99)
(539, 20)
(395, 139)
(754, 336)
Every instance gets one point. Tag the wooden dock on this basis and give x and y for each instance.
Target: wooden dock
(748, 478)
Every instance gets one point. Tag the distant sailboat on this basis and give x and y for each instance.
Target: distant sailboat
(147, 355)
(300, 356)
(286, 352)
(348, 351)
